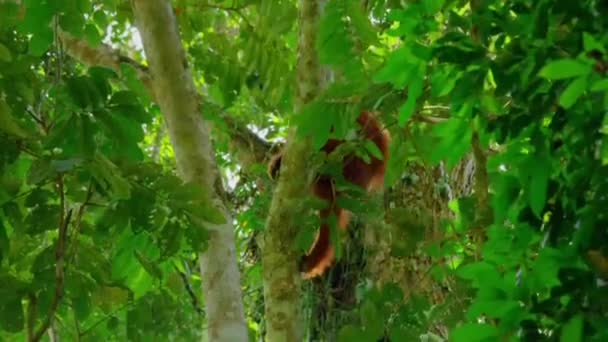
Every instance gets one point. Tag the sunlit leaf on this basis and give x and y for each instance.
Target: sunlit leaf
(564, 68)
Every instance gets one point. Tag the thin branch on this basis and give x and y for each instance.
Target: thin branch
(190, 290)
(32, 312)
(59, 268)
(79, 216)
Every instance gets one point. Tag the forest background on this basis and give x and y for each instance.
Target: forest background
(135, 205)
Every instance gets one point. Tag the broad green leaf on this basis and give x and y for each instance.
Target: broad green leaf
(474, 332)
(590, 43)
(373, 149)
(600, 85)
(82, 306)
(399, 69)
(443, 82)
(372, 319)
(572, 331)
(43, 218)
(11, 314)
(351, 333)
(100, 18)
(414, 91)
(92, 34)
(130, 76)
(573, 92)
(545, 272)
(604, 151)
(7, 123)
(432, 6)
(361, 23)
(149, 265)
(41, 42)
(565, 68)
(481, 273)
(107, 172)
(538, 169)
(334, 43)
(4, 242)
(38, 17)
(39, 171)
(5, 54)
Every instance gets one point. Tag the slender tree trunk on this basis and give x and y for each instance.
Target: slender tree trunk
(282, 290)
(178, 100)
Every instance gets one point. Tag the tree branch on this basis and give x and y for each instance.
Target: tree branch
(59, 272)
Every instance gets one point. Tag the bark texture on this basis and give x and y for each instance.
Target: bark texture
(282, 291)
(178, 100)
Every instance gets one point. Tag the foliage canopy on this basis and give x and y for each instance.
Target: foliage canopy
(87, 173)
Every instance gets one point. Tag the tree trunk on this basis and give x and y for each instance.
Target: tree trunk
(178, 100)
(282, 290)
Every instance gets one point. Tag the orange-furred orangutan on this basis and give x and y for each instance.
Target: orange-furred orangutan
(368, 175)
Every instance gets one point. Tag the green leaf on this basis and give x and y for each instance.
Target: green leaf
(5, 54)
(371, 319)
(351, 333)
(399, 69)
(572, 93)
(100, 18)
(82, 306)
(361, 23)
(600, 85)
(41, 42)
(4, 242)
(432, 6)
(39, 171)
(572, 331)
(129, 75)
(92, 35)
(590, 43)
(11, 314)
(373, 149)
(106, 172)
(565, 68)
(481, 273)
(604, 150)
(43, 218)
(7, 123)
(538, 168)
(333, 42)
(414, 91)
(77, 87)
(474, 332)
(150, 266)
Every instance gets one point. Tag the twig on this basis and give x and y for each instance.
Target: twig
(32, 312)
(59, 271)
(64, 221)
(188, 286)
(79, 216)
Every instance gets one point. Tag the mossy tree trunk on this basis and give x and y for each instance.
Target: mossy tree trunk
(282, 290)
